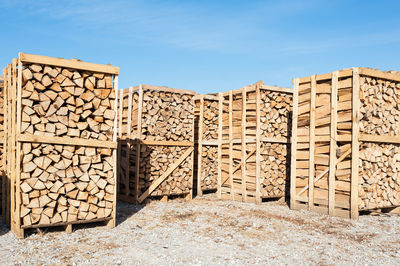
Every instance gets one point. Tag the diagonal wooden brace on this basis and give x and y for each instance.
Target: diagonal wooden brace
(156, 183)
(326, 171)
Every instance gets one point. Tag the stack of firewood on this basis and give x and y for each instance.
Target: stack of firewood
(380, 115)
(167, 116)
(274, 169)
(379, 163)
(379, 171)
(63, 183)
(155, 162)
(210, 120)
(62, 102)
(275, 110)
(209, 168)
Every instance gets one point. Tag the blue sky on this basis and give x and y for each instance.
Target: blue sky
(207, 46)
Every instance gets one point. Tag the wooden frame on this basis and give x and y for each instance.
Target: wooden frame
(14, 138)
(325, 170)
(203, 143)
(241, 129)
(133, 136)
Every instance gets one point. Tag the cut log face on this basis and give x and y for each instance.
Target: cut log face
(51, 103)
(274, 114)
(155, 161)
(210, 120)
(167, 116)
(56, 193)
(209, 168)
(274, 169)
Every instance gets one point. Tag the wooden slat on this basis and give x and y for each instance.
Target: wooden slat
(128, 144)
(342, 74)
(379, 138)
(294, 145)
(312, 142)
(231, 146)
(333, 144)
(258, 147)
(67, 141)
(19, 231)
(157, 182)
(355, 144)
(379, 74)
(114, 213)
(166, 143)
(220, 99)
(200, 148)
(74, 64)
(243, 163)
(139, 136)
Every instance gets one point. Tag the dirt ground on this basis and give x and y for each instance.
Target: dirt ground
(207, 231)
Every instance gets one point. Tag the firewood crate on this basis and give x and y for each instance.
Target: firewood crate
(207, 130)
(60, 121)
(157, 139)
(345, 146)
(254, 143)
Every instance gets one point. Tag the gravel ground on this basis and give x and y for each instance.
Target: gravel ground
(206, 231)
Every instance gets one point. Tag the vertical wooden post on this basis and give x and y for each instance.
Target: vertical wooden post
(243, 161)
(231, 146)
(113, 221)
(119, 129)
(190, 195)
(5, 165)
(19, 230)
(355, 144)
(139, 137)
(312, 142)
(293, 145)
(220, 102)
(333, 144)
(200, 146)
(9, 144)
(258, 147)
(13, 142)
(128, 141)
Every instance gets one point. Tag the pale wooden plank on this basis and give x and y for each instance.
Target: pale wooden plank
(355, 144)
(333, 144)
(312, 142)
(220, 102)
(294, 145)
(243, 162)
(74, 64)
(200, 147)
(67, 141)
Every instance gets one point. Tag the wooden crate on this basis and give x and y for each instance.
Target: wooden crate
(207, 131)
(60, 121)
(345, 142)
(157, 138)
(254, 142)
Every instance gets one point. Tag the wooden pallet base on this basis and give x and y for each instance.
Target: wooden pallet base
(343, 213)
(68, 227)
(167, 198)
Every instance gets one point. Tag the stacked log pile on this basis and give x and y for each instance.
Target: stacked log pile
(379, 167)
(276, 108)
(66, 142)
(208, 126)
(161, 139)
(255, 137)
(343, 165)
